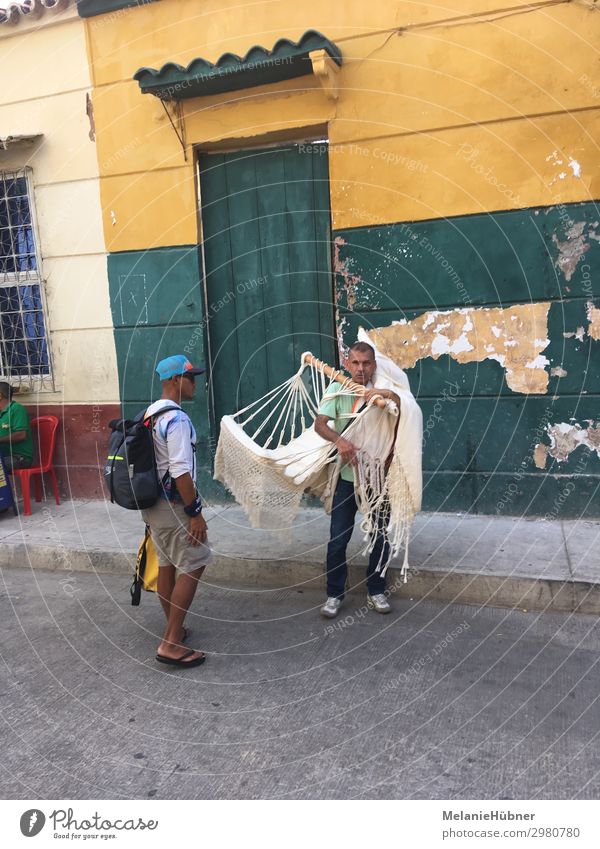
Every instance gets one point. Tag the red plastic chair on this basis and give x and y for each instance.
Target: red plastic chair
(46, 429)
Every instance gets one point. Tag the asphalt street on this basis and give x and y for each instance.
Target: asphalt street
(433, 701)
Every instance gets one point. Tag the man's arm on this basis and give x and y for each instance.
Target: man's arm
(347, 450)
(178, 437)
(197, 526)
(17, 436)
(383, 393)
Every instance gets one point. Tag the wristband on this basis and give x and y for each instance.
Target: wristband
(195, 508)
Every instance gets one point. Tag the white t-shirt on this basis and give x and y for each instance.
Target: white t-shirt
(174, 441)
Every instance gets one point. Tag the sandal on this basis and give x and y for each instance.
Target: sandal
(181, 662)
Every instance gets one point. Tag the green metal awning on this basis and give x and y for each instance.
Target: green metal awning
(285, 61)
(91, 8)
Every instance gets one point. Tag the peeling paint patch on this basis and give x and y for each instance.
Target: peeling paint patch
(566, 438)
(558, 371)
(593, 314)
(89, 110)
(342, 349)
(515, 337)
(575, 246)
(540, 453)
(340, 267)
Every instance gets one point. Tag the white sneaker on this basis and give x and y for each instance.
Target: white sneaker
(331, 607)
(379, 602)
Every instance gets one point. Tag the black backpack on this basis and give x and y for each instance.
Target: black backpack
(130, 472)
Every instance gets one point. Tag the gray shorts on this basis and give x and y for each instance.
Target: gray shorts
(168, 525)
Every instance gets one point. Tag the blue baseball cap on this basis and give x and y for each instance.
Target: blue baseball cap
(177, 364)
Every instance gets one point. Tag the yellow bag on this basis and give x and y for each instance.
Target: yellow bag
(146, 569)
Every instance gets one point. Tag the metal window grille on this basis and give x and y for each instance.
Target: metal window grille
(24, 354)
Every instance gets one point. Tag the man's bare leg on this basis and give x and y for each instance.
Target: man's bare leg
(166, 582)
(182, 596)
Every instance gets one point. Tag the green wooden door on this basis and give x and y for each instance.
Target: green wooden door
(269, 292)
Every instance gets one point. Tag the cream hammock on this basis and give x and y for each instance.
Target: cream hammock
(269, 454)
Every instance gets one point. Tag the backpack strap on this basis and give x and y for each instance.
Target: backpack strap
(140, 568)
(158, 413)
(152, 418)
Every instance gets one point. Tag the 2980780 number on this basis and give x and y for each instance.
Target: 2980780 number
(555, 832)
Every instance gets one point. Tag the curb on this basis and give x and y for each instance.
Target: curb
(546, 594)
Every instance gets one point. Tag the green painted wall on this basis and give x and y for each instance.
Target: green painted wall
(479, 435)
(157, 309)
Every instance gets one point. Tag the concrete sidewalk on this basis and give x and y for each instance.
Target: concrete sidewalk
(530, 564)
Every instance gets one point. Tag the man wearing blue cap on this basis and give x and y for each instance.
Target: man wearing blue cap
(176, 523)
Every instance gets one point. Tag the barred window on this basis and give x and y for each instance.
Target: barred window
(24, 353)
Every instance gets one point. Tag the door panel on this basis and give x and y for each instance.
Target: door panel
(266, 229)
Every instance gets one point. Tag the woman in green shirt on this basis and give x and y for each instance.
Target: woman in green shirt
(16, 444)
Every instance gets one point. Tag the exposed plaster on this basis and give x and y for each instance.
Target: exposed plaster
(342, 349)
(593, 314)
(514, 337)
(593, 330)
(575, 246)
(340, 266)
(540, 453)
(577, 334)
(558, 371)
(566, 438)
(89, 108)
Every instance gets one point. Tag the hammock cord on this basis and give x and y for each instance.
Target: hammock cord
(268, 479)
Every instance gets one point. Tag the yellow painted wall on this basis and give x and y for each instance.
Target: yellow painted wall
(496, 166)
(445, 109)
(46, 64)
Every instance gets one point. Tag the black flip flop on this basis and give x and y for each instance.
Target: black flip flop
(181, 662)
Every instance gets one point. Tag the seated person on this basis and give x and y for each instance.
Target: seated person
(16, 444)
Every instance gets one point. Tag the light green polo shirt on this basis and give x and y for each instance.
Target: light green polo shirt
(15, 417)
(333, 408)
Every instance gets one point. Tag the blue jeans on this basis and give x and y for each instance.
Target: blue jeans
(342, 524)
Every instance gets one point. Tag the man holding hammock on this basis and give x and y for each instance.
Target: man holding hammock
(361, 365)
